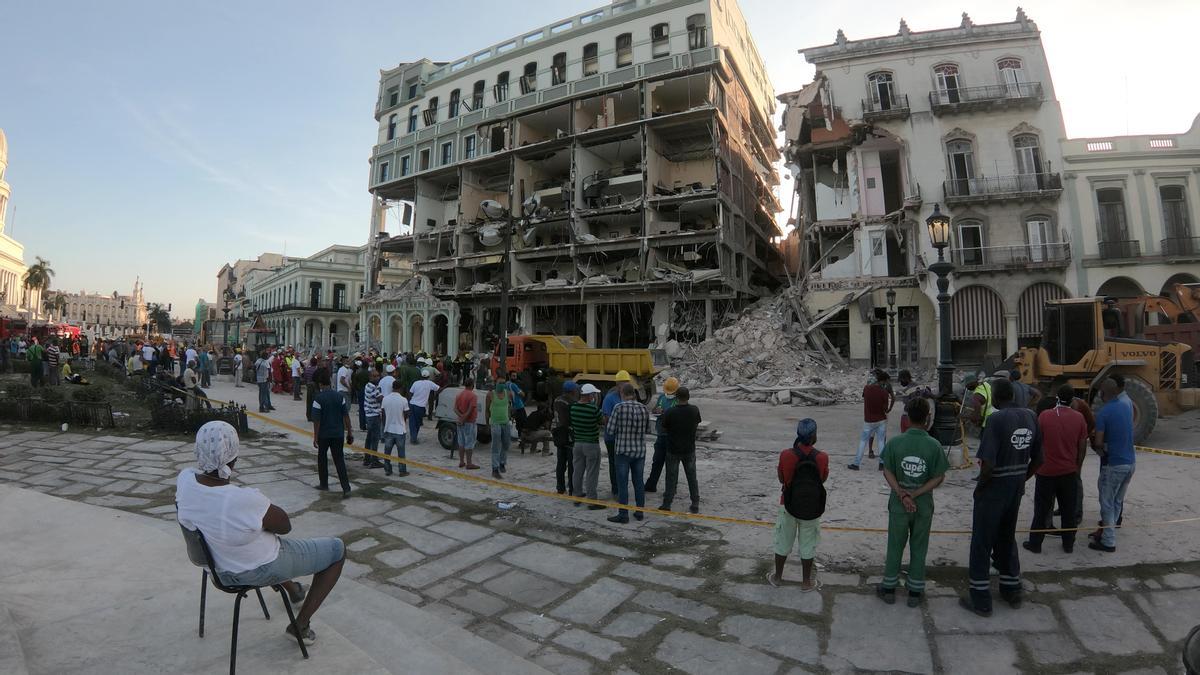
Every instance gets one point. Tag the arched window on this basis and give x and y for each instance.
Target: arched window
(591, 64)
(529, 78)
(558, 69)
(1042, 234)
(477, 95)
(452, 108)
(660, 40)
(1028, 151)
(960, 159)
(945, 78)
(970, 243)
(697, 28)
(881, 88)
(431, 111)
(624, 49)
(1012, 76)
(391, 127)
(500, 90)
(412, 119)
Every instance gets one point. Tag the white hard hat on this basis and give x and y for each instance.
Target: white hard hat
(589, 389)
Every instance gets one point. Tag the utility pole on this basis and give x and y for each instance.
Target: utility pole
(520, 201)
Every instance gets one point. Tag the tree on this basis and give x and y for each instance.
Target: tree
(38, 276)
(158, 317)
(55, 304)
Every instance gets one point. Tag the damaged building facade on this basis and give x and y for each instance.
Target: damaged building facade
(640, 135)
(965, 118)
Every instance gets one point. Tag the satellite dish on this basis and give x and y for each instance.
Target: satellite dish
(489, 236)
(493, 209)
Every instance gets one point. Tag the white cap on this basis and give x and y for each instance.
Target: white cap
(389, 368)
(589, 389)
(357, 362)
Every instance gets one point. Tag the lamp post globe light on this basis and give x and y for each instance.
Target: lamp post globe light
(946, 427)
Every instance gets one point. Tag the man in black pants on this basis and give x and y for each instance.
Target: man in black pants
(564, 444)
(680, 423)
(1010, 452)
(331, 419)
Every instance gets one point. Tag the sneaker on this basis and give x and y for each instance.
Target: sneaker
(651, 488)
(694, 508)
(1069, 548)
(1031, 547)
(852, 467)
(472, 467)
(322, 488)
(307, 635)
(1097, 546)
(914, 599)
(624, 520)
(1014, 600)
(871, 454)
(345, 494)
(970, 607)
(773, 580)
(402, 474)
(596, 507)
(888, 595)
(496, 474)
(664, 507)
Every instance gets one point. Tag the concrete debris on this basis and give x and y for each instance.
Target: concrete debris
(763, 355)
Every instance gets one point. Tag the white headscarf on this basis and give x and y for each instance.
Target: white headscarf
(216, 447)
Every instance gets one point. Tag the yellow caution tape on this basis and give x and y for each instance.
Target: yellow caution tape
(1170, 453)
(660, 512)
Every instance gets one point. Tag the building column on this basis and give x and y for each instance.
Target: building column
(526, 320)
(590, 315)
(1148, 235)
(1010, 334)
(660, 316)
(477, 329)
(604, 324)
(708, 318)
(426, 333)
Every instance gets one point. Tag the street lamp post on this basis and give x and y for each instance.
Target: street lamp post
(891, 314)
(946, 421)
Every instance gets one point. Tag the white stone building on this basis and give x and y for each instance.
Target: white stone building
(311, 302)
(1136, 199)
(101, 315)
(965, 118)
(643, 130)
(16, 301)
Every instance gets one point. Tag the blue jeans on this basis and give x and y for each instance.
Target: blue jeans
(362, 410)
(264, 396)
(630, 467)
(1114, 480)
(416, 415)
(374, 431)
(393, 441)
(879, 431)
(501, 442)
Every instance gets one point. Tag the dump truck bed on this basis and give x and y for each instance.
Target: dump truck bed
(570, 354)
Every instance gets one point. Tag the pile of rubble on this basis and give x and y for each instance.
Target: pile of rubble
(764, 356)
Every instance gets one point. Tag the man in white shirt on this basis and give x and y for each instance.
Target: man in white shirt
(192, 355)
(395, 409)
(421, 389)
(297, 368)
(239, 363)
(385, 382)
(262, 376)
(342, 385)
(149, 356)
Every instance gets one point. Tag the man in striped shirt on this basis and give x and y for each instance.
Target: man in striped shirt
(627, 426)
(1010, 452)
(585, 427)
(372, 398)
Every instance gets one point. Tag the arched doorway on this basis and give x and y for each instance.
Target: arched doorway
(1120, 287)
(339, 335)
(1030, 309)
(416, 333)
(313, 333)
(396, 333)
(441, 334)
(374, 329)
(977, 327)
(1168, 288)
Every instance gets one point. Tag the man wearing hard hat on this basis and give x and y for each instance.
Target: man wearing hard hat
(666, 401)
(611, 399)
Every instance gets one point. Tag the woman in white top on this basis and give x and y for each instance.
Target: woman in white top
(243, 528)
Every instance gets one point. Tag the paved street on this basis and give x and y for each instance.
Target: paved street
(668, 594)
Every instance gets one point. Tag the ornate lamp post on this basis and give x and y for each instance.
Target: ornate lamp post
(891, 302)
(946, 427)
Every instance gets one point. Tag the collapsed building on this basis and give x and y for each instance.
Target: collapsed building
(618, 165)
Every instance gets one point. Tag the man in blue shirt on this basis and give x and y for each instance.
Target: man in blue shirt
(611, 399)
(1114, 443)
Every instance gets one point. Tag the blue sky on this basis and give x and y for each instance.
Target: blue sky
(163, 139)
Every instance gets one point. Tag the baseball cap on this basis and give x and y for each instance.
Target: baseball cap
(589, 389)
(390, 368)
(570, 385)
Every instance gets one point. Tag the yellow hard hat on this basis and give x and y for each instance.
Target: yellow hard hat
(623, 376)
(670, 386)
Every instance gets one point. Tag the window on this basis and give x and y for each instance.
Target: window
(423, 160)
(500, 90)
(431, 111)
(339, 296)
(880, 87)
(452, 109)
(1042, 235)
(529, 78)
(960, 157)
(1012, 76)
(412, 89)
(1029, 162)
(970, 242)
(1176, 224)
(477, 95)
(558, 69)
(945, 79)
(624, 49)
(391, 127)
(393, 96)
(469, 147)
(1111, 208)
(384, 169)
(660, 40)
(405, 165)
(447, 153)
(412, 119)
(697, 28)
(591, 64)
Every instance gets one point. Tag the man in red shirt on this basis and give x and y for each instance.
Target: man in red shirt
(876, 404)
(1064, 445)
(789, 530)
(466, 409)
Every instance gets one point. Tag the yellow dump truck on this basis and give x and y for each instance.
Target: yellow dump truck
(544, 360)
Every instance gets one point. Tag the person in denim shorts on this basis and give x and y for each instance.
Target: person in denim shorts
(243, 530)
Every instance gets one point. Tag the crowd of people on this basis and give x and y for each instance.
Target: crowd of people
(50, 359)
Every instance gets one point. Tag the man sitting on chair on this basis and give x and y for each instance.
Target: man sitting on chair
(243, 528)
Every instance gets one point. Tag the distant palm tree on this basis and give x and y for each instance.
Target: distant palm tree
(55, 304)
(158, 317)
(37, 278)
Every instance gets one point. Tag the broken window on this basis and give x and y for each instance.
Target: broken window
(477, 95)
(452, 109)
(624, 49)
(558, 69)
(660, 40)
(412, 119)
(500, 89)
(591, 64)
(881, 88)
(697, 31)
(391, 127)
(529, 78)
(431, 111)
(946, 79)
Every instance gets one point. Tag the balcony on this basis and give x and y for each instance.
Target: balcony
(987, 98)
(1120, 250)
(1028, 186)
(894, 107)
(1176, 249)
(1024, 256)
(310, 307)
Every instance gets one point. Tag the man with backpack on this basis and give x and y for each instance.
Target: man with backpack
(802, 472)
(913, 465)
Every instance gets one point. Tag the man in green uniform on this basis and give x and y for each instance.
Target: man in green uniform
(913, 465)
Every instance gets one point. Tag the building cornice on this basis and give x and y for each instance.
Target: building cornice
(959, 37)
